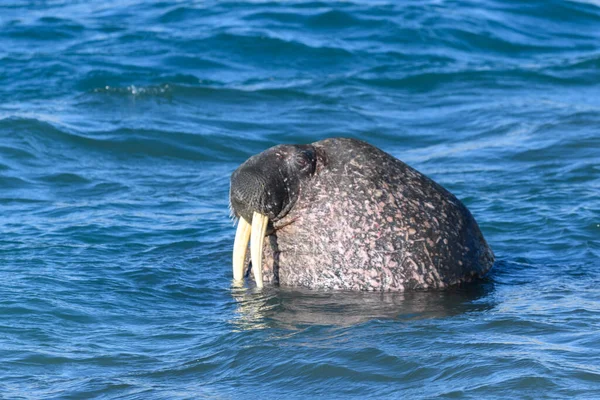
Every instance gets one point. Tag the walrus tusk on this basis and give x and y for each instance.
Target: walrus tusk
(259, 227)
(240, 246)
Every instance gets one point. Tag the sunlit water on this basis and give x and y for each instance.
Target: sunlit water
(121, 121)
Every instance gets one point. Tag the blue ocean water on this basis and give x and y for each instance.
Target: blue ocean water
(121, 121)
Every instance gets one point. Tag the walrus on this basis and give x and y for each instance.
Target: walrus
(342, 214)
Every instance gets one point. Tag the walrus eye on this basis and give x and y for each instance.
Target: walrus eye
(306, 160)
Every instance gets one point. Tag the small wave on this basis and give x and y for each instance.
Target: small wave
(580, 69)
(44, 29)
(180, 14)
(585, 62)
(492, 78)
(141, 142)
(329, 19)
(337, 19)
(64, 179)
(591, 2)
(248, 91)
(161, 90)
(196, 63)
(13, 182)
(15, 153)
(102, 81)
(260, 48)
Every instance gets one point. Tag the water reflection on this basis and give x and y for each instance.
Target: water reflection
(293, 308)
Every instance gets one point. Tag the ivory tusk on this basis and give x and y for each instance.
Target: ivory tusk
(240, 246)
(259, 227)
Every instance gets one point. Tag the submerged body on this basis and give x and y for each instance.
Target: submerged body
(346, 215)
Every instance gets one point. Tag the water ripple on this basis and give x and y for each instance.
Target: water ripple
(121, 122)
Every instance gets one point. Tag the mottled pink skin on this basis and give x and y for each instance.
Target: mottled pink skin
(367, 221)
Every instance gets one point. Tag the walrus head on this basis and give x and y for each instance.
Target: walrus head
(263, 189)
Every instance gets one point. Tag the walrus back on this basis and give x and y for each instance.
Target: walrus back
(381, 225)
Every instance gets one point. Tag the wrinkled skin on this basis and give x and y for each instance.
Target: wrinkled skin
(346, 215)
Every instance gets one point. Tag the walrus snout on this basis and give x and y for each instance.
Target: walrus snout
(253, 190)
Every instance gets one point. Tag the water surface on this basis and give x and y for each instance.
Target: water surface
(121, 121)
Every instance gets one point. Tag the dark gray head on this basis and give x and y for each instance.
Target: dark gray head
(269, 183)
(263, 189)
